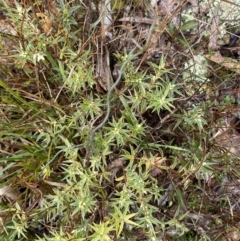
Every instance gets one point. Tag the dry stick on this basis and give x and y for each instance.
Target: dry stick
(130, 57)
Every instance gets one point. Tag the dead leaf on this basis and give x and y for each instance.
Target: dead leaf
(214, 32)
(118, 163)
(114, 167)
(166, 7)
(12, 194)
(5, 27)
(106, 21)
(55, 184)
(103, 72)
(119, 179)
(47, 23)
(228, 63)
(227, 136)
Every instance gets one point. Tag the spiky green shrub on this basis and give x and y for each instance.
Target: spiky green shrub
(125, 163)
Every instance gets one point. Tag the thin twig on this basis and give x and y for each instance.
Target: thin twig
(130, 57)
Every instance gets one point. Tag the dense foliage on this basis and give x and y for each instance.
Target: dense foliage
(120, 131)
